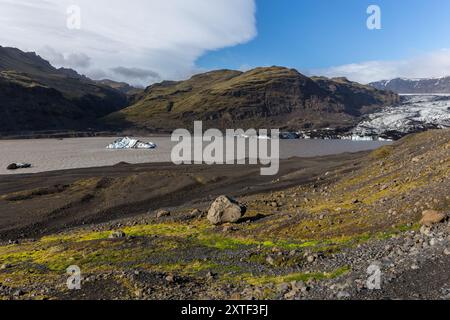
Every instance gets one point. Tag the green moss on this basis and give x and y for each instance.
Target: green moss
(185, 268)
(382, 153)
(263, 280)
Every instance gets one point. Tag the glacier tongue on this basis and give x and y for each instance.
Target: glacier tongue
(416, 113)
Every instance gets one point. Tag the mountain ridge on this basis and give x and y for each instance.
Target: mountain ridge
(261, 97)
(35, 96)
(411, 86)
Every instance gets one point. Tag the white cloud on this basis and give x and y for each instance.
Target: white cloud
(432, 64)
(159, 37)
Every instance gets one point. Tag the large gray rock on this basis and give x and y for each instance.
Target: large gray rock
(225, 210)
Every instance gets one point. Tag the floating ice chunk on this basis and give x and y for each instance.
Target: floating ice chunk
(130, 143)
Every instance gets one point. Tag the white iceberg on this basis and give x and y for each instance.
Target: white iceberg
(130, 143)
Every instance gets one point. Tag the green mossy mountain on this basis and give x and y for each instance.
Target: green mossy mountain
(260, 98)
(36, 96)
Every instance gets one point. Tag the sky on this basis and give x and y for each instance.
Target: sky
(147, 41)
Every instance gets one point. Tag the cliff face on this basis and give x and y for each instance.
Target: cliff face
(263, 97)
(36, 96)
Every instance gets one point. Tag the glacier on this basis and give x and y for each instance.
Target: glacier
(416, 113)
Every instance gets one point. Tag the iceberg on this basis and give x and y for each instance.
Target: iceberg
(130, 143)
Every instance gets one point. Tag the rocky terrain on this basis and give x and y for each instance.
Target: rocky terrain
(35, 96)
(312, 232)
(260, 98)
(415, 86)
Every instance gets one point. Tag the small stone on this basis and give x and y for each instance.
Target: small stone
(270, 260)
(291, 294)
(447, 251)
(300, 286)
(162, 213)
(431, 217)
(139, 293)
(196, 213)
(117, 235)
(426, 231)
(5, 266)
(311, 259)
(170, 278)
(18, 293)
(343, 295)
(283, 287)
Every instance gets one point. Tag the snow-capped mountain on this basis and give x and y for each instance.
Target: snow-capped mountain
(411, 86)
(416, 113)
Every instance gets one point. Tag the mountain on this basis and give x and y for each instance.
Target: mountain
(411, 86)
(36, 96)
(120, 86)
(260, 98)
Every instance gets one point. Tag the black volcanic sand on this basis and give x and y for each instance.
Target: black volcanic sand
(32, 205)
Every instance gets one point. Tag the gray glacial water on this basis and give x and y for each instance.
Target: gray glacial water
(52, 154)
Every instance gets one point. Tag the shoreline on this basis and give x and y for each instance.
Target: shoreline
(71, 135)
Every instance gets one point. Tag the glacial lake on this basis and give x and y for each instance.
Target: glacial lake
(53, 154)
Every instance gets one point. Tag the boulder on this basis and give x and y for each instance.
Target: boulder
(12, 166)
(431, 217)
(225, 210)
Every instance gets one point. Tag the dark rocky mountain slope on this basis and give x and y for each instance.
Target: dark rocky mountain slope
(36, 96)
(260, 98)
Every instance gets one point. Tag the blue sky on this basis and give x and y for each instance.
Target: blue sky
(316, 35)
(147, 41)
